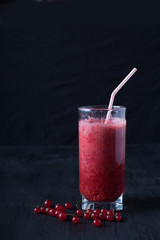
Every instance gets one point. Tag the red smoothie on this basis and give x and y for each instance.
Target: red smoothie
(102, 158)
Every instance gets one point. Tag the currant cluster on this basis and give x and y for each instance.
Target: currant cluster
(60, 212)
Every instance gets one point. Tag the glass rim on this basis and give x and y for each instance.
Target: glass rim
(100, 108)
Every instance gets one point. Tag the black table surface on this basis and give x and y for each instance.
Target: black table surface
(29, 175)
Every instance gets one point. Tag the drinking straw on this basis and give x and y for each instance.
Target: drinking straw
(115, 92)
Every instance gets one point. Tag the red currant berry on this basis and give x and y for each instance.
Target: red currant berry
(57, 213)
(90, 210)
(118, 218)
(102, 216)
(79, 212)
(94, 215)
(60, 207)
(97, 211)
(37, 210)
(87, 215)
(52, 212)
(62, 216)
(110, 213)
(48, 209)
(75, 219)
(68, 205)
(104, 210)
(109, 218)
(43, 209)
(48, 203)
(97, 222)
(117, 213)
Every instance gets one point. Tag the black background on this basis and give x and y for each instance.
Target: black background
(56, 56)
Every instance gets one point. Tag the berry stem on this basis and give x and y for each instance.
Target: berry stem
(77, 205)
(71, 214)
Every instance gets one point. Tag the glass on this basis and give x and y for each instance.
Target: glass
(102, 153)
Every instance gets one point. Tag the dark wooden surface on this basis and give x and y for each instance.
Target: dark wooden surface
(29, 175)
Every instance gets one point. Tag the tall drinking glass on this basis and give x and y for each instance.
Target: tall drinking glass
(102, 153)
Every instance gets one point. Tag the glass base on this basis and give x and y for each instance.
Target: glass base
(114, 206)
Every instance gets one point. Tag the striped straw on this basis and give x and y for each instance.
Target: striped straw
(115, 92)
